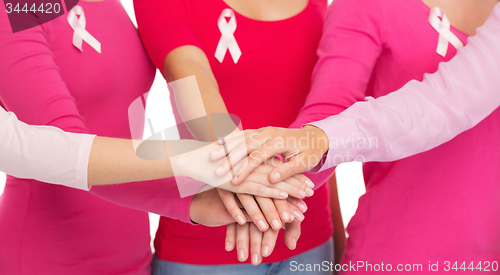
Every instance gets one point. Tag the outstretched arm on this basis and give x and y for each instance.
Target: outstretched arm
(418, 117)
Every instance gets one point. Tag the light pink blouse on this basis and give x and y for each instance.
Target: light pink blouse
(423, 114)
(43, 153)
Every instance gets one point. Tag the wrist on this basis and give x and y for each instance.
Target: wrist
(319, 138)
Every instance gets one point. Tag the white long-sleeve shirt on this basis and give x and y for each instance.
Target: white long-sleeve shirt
(422, 115)
(43, 153)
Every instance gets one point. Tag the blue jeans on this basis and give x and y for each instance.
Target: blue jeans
(294, 265)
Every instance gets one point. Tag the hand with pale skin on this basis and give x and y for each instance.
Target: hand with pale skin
(207, 209)
(261, 243)
(197, 165)
(263, 210)
(302, 150)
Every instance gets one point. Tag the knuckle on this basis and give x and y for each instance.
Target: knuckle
(242, 244)
(260, 189)
(245, 197)
(255, 155)
(255, 245)
(288, 169)
(225, 196)
(235, 211)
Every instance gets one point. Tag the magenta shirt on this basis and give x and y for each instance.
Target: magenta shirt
(46, 80)
(440, 205)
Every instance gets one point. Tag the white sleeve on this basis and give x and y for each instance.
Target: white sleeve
(43, 153)
(422, 115)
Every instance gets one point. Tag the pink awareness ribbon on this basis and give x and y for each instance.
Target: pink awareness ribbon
(227, 40)
(439, 21)
(80, 34)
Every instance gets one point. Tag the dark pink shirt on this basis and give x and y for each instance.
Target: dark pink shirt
(440, 205)
(46, 80)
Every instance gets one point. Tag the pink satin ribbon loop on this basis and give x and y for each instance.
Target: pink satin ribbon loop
(80, 34)
(227, 40)
(439, 21)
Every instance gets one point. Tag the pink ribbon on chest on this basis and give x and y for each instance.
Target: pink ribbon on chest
(441, 24)
(78, 25)
(227, 41)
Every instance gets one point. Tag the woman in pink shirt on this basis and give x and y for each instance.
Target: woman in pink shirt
(437, 207)
(47, 80)
(253, 59)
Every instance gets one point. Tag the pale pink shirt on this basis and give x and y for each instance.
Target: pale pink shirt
(423, 114)
(439, 205)
(43, 153)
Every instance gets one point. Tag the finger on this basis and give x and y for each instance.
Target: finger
(230, 236)
(304, 179)
(242, 240)
(292, 234)
(267, 151)
(233, 135)
(298, 180)
(298, 185)
(300, 204)
(270, 211)
(231, 205)
(297, 214)
(284, 206)
(258, 184)
(237, 151)
(234, 149)
(255, 244)
(283, 210)
(218, 153)
(258, 189)
(231, 159)
(295, 165)
(228, 146)
(269, 242)
(253, 211)
(294, 187)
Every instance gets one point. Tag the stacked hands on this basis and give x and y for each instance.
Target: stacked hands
(259, 186)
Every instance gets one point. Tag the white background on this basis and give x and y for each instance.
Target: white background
(349, 176)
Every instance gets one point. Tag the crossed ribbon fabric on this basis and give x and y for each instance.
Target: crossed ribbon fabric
(439, 21)
(227, 40)
(80, 34)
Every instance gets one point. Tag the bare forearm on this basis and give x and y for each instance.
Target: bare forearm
(115, 161)
(192, 103)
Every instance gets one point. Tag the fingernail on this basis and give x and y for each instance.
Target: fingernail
(309, 192)
(283, 194)
(235, 179)
(265, 251)
(299, 216)
(302, 194)
(262, 225)
(294, 243)
(215, 153)
(310, 183)
(276, 224)
(218, 169)
(255, 258)
(228, 246)
(285, 216)
(277, 176)
(302, 207)
(240, 219)
(241, 255)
